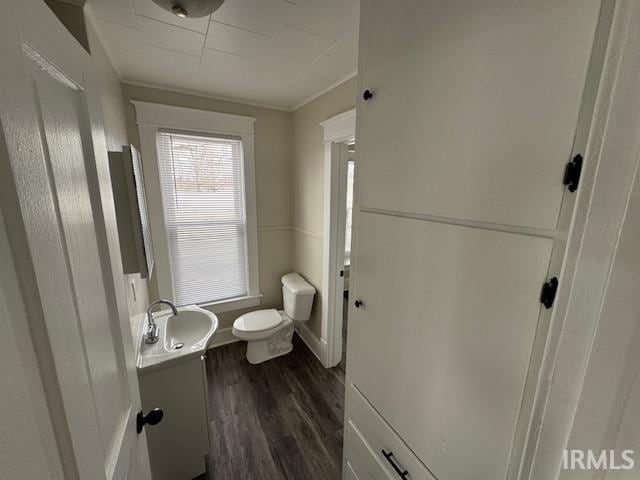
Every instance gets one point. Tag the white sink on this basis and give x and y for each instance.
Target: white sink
(182, 336)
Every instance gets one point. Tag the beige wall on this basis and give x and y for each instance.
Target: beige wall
(273, 134)
(289, 177)
(115, 127)
(307, 185)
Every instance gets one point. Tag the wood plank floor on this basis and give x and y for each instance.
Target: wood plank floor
(281, 419)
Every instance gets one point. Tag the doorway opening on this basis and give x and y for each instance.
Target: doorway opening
(346, 218)
(343, 158)
(340, 198)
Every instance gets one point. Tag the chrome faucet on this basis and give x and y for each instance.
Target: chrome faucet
(153, 332)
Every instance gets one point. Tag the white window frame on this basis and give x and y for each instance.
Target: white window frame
(152, 117)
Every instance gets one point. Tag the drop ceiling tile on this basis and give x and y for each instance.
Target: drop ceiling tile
(280, 99)
(304, 86)
(219, 83)
(254, 88)
(235, 40)
(226, 62)
(148, 8)
(241, 62)
(167, 36)
(331, 68)
(329, 18)
(298, 45)
(155, 66)
(173, 80)
(120, 36)
(276, 64)
(170, 61)
(117, 11)
(347, 47)
(262, 82)
(127, 62)
(260, 16)
(136, 67)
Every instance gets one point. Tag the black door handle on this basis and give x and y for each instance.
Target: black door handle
(367, 94)
(358, 304)
(389, 456)
(154, 417)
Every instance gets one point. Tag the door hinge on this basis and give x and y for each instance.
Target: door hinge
(548, 294)
(342, 273)
(572, 173)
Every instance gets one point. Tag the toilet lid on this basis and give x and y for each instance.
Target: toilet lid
(258, 321)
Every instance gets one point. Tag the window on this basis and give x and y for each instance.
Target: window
(200, 174)
(203, 195)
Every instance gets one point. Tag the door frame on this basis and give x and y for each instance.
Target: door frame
(337, 130)
(612, 149)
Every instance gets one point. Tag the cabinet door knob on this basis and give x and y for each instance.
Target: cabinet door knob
(154, 417)
(358, 303)
(367, 95)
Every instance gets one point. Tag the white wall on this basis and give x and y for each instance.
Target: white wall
(115, 126)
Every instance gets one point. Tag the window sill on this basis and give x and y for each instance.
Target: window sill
(233, 304)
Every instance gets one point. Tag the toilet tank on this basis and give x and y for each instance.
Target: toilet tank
(297, 295)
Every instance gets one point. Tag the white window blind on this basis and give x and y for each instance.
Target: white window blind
(203, 193)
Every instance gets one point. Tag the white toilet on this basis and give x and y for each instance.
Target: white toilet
(268, 332)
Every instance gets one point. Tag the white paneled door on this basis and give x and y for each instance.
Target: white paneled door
(475, 106)
(441, 346)
(462, 149)
(60, 221)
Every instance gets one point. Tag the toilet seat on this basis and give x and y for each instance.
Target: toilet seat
(268, 332)
(257, 322)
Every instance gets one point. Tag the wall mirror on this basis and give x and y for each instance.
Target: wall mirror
(130, 199)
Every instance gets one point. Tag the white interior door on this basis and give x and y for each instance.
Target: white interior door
(461, 154)
(475, 106)
(61, 225)
(441, 346)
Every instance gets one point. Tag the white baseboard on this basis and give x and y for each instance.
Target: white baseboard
(315, 344)
(318, 346)
(223, 337)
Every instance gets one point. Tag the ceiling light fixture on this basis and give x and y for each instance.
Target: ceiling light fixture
(179, 11)
(190, 8)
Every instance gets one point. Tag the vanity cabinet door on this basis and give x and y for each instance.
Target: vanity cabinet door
(441, 343)
(474, 106)
(178, 445)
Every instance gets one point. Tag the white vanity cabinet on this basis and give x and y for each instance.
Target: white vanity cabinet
(179, 444)
(463, 141)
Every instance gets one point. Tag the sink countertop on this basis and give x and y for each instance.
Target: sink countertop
(195, 330)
